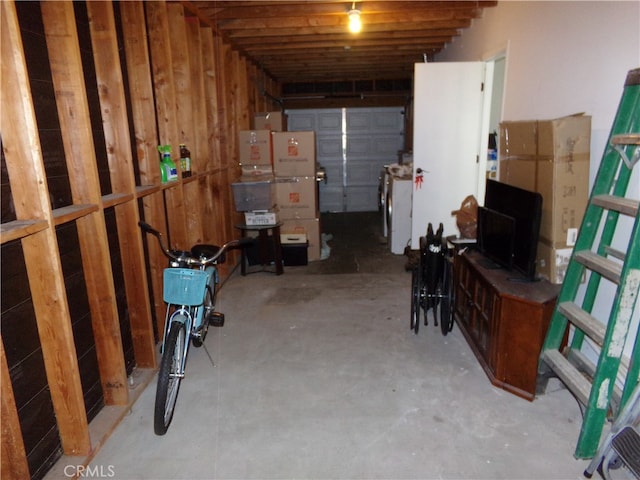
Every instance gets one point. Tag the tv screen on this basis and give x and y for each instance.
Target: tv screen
(525, 207)
(496, 235)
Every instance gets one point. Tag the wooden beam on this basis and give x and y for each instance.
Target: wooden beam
(187, 94)
(246, 41)
(332, 21)
(211, 159)
(14, 456)
(166, 112)
(340, 29)
(262, 9)
(30, 192)
(144, 123)
(75, 123)
(116, 133)
(228, 140)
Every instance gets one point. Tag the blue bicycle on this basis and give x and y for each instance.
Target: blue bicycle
(190, 287)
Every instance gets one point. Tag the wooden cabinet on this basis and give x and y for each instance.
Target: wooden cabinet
(504, 320)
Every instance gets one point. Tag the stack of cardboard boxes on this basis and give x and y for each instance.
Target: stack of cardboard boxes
(279, 170)
(550, 157)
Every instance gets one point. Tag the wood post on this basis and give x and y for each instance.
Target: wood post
(23, 153)
(116, 132)
(14, 457)
(75, 123)
(158, 27)
(144, 123)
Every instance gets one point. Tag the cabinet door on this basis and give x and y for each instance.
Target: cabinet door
(482, 322)
(463, 295)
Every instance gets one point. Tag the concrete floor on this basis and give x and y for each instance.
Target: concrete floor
(316, 375)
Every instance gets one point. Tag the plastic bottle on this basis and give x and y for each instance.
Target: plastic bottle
(168, 170)
(185, 160)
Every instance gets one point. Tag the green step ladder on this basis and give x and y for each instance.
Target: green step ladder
(593, 258)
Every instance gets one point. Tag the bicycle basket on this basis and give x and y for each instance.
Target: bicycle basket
(183, 286)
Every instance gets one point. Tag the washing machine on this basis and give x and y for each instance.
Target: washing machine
(383, 192)
(399, 200)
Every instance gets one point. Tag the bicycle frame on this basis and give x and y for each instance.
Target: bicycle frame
(192, 316)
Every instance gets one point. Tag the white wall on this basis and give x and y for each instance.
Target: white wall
(563, 57)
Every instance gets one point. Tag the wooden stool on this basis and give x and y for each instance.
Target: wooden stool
(264, 232)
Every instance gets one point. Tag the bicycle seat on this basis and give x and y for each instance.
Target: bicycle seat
(203, 250)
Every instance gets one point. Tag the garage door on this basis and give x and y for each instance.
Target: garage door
(353, 145)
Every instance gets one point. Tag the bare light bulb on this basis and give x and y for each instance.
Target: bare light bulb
(355, 25)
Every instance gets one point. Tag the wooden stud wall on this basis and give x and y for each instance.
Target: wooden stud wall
(185, 85)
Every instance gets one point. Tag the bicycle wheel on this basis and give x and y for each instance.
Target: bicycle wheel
(198, 338)
(448, 291)
(415, 299)
(169, 378)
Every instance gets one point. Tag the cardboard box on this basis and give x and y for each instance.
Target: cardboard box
(258, 170)
(254, 193)
(274, 121)
(255, 147)
(553, 262)
(294, 154)
(297, 197)
(309, 227)
(261, 217)
(550, 157)
(293, 237)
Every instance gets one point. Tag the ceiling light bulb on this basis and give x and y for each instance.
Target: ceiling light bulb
(355, 25)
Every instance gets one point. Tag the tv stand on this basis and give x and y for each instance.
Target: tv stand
(490, 264)
(504, 322)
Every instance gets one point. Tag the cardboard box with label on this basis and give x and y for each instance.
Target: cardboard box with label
(297, 197)
(550, 157)
(274, 121)
(261, 217)
(306, 230)
(255, 147)
(294, 154)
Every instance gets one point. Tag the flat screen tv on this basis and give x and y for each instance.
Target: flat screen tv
(525, 207)
(496, 236)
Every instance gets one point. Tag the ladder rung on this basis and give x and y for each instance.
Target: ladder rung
(626, 139)
(612, 252)
(605, 267)
(626, 206)
(571, 377)
(586, 322)
(585, 365)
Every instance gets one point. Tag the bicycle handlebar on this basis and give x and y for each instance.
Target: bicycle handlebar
(191, 260)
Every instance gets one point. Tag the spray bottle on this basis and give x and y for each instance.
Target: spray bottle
(168, 170)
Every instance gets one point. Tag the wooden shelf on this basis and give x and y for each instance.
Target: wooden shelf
(114, 199)
(21, 228)
(72, 212)
(144, 190)
(192, 178)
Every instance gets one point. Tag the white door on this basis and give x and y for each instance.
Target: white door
(449, 142)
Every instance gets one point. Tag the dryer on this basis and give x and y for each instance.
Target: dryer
(383, 192)
(399, 201)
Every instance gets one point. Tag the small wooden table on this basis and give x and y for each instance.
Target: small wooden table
(269, 261)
